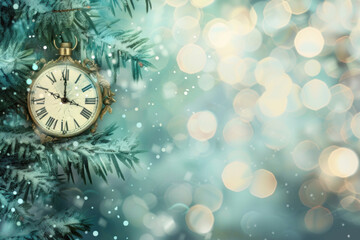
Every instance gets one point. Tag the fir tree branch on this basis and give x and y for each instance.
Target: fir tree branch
(97, 152)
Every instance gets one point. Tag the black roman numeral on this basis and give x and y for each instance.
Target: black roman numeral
(55, 124)
(41, 112)
(78, 78)
(39, 101)
(64, 127)
(52, 78)
(50, 122)
(86, 113)
(84, 89)
(42, 88)
(65, 74)
(76, 123)
(90, 100)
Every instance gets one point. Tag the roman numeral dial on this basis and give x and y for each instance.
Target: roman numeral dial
(64, 115)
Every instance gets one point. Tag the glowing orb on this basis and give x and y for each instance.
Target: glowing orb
(236, 131)
(236, 176)
(342, 98)
(264, 184)
(201, 3)
(243, 20)
(244, 104)
(343, 162)
(186, 30)
(309, 42)
(277, 14)
(176, 3)
(272, 105)
(312, 67)
(306, 155)
(191, 58)
(318, 219)
(199, 219)
(315, 94)
(202, 125)
(312, 193)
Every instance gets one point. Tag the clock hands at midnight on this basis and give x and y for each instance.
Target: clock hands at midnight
(55, 95)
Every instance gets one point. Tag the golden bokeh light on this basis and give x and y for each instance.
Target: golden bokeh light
(309, 42)
(318, 219)
(312, 193)
(355, 125)
(315, 94)
(350, 203)
(231, 70)
(218, 33)
(272, 105)
(237, 176)
(237, 131)
(299, 7)
(206, 81)
(342, 98)
(191, 58)
(294, 103)
(244, 104)
(176, 3)
(243, 20)
(306, 154)
(324, 157)
(343, 162)
(277, 14)
(264, 184)
(201, 3)
(268, 68)
(200, 219)
(202, 125)
(178, 193)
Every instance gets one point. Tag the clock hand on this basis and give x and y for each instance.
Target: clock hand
(72, 102)
(55, 95)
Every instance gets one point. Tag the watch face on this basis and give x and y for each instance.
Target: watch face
(64, 100)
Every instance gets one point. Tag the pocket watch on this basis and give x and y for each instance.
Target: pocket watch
(66, 97)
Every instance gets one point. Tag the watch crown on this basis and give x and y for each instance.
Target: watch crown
(65, 49)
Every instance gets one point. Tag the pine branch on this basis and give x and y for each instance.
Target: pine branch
(118, 47)
(58, 226)
(97, 152)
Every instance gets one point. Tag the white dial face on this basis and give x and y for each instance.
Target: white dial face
(64, 101)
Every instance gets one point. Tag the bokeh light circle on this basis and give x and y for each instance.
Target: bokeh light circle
(244, 104)
(309, 42)
(191, 58)
(201, 3)
(264, 184)
(202, 125)
(237, 131)
(312, 67)
(342, 98)
(343, 162)
(306, 155)
(318, 219)
(237, 176)
(200, 219)
(277, 14)
(315, 94)
(312, 193)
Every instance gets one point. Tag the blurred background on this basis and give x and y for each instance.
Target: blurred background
(249, 124)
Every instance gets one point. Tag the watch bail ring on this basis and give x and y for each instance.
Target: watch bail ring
(66, 47)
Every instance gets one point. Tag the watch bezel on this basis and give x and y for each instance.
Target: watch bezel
(70, 62)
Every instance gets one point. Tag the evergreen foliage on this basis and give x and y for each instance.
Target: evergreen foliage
(29, 170)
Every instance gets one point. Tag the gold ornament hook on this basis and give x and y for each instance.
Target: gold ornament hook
(76, 43)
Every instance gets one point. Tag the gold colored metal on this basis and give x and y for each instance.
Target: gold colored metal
(66, 47)
(88, 67)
